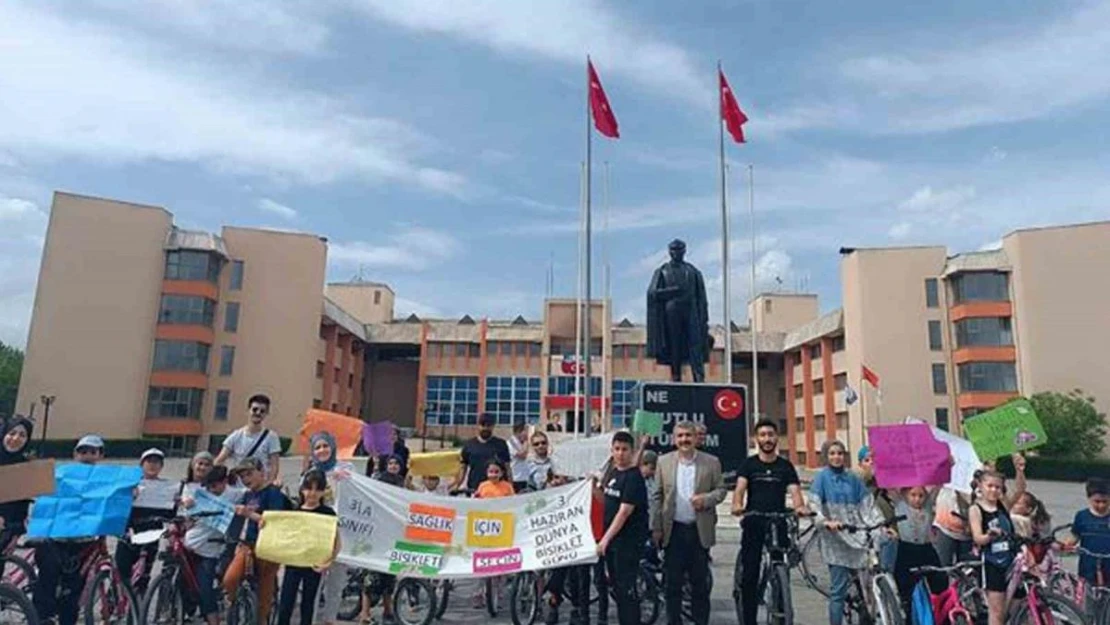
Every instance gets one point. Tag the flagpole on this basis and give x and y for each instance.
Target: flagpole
(606, 286)
(578, 303)
(755, 341)
(588, 275)
(725, 278)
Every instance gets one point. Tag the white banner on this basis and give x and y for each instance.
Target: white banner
(963, 453)
(581, 457)
(389, 529)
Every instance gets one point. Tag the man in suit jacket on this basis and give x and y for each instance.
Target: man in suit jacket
(688, 487)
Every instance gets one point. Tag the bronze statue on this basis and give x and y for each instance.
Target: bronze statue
(678, 316)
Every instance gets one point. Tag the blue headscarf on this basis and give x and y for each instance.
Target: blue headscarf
(326, 465)
(863, 451)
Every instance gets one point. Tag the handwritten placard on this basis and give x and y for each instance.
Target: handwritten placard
(1007, 429)
(965, 461)
(908, 455)
(157, 494)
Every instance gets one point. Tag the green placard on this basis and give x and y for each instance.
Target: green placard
(650, 423)
(1004, 430)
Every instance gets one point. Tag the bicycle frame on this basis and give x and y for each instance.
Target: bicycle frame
(95, 560)
(17, 578)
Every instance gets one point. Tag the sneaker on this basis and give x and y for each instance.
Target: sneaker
(552, 617)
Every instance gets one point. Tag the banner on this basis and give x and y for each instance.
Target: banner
(88, 500)
(346, 430)
(206, 502)
(26, 480)
(966, 461)
(435, 462)
(580, 457)
(296, 538)
(157, 494)
(1007, 429)
(908, 455)
(392, 530)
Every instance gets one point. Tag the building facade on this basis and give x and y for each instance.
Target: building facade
(141, 328)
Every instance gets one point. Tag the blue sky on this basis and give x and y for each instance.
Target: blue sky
(437, 143)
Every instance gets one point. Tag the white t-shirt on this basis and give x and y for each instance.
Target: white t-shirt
(520, 467)
(240, 442)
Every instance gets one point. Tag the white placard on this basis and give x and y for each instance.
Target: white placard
(966, 460)
(157, 494)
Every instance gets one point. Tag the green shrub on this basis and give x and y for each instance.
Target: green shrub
(1058, 469)
(113, 448)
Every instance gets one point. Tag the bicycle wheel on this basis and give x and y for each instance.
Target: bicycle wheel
(442, 595)
(15, 606)
(244, 607)
(350, 599)
(651, 602)
(18, 573)
(108, 602)
(777, 602)
(524, 598)
(1066, 585)
(162, 601)
(889, 606)
(814, 570)
(737, 593)
(414, 601)
(1055, 610)
(493, 606)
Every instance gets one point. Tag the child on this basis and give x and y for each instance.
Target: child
(205, 541)
(382, 584)
(141, 520)
(1091, 530)
(914, 546)
(199, 467)
(313, 486)
(992, 530)
(261, 496)
(433, 485)
(495, 485)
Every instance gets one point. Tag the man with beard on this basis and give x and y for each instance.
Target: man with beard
(765, 478)
(476, 454)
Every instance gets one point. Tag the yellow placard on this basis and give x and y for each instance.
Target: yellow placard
(435, 463)
(296, 538)
(489, 529)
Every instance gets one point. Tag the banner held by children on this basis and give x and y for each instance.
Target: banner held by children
(88, 500)
(435, 463)
(1005, 430)
(392, 530)
(346, 430)
(965, 461)
(296, 538)
(908, 455)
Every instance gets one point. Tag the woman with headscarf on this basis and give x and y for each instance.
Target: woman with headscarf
(323, 455)
(13, 450)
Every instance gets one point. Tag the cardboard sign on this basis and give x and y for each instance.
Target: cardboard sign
(346, 430)
(157, 494)
(908, 455)
(1007, 429)
(26, 480)
(649, 423)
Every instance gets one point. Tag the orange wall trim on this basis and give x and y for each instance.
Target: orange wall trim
(173, 427)
(201, 288)
(980, 309)
(807, 406)
(179, 379)
(830, 389)
(791, 429)
(983, 400)
(984, 354)
(175, 332)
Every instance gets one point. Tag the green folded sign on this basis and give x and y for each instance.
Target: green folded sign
(649, 423)
(1005, 430)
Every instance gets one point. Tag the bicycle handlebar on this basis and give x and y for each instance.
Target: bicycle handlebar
(1088, 552)
(848, 527)
(959, 566)
(756, 514)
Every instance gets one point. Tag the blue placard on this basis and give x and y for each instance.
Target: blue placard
(88, 500)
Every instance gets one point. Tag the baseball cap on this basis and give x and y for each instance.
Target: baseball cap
(90, 440)
(248, 464)
(152, 452)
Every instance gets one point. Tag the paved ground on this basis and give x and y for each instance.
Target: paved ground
(1062, 500)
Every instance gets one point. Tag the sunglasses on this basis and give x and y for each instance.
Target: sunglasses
(259, 410)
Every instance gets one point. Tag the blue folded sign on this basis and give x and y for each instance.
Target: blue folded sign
(88, 500)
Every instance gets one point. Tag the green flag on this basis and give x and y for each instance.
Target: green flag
(1004, 430)
(650, 423)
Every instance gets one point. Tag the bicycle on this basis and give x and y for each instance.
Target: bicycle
(1040, 605)
(883, 597)
(528, 589)
(1093, 598)
(17, 564)
(177, 576)
(414, 599)
(774, 570)
(952, 603)
(16, 606)
(103, 582)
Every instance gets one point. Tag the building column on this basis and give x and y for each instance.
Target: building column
(421, 378)
(358, 353)
(483, 364)
(329, 365)
(344, 345)
(830, 389)
(791, 429)
(807, 406)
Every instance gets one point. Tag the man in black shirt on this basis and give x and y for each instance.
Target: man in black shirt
(765, 478)
(476, 454)
(626, 523)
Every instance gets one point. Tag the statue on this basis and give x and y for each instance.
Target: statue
(678, 316)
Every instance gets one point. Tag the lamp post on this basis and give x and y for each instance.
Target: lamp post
(46, 400)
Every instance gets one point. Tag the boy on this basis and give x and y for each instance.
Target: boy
(59, 584)
(626, 522)
(254, 441)
(261, 496)
(142, 519)
(204, 541)
(1091, 528)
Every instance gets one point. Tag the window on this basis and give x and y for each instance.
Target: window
(800, 424)
(180, 356)
(815, 351)
(819, 386)
(461, 350)
(840, 381)
(521, 349)
(187, 310)
(176, 403)
(434, 350)
(766, 305)
(624, 401)
(513, 399)
(227, 359)
(235, 281)
(475, 350)
(350, 380)
(991, 377)
(932, 297)
(223, 399)
(782, 394)
(802, 458)
(534, 350)
(334, 407)
(942, 418)
(981, 286)
(316, 403)
(984, 332)
(968, 413)
(319, 369)
(451, 400)
(940, 379)
(377, 297)
(192, 265)
(838, 343)
(842, 421)
(564, 385)
(335, 375)
(798, 391)
(231, 317)
(936, 343)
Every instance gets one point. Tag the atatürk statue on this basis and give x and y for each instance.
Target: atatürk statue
(678, 316)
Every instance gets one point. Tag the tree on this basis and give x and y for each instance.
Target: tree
(1075, 428)
(11, 366)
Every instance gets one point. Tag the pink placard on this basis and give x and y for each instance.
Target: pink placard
(497, 562)
(909, 455)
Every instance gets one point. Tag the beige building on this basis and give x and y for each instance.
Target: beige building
(141, 328)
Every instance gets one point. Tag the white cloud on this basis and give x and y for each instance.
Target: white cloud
(276, 208)
(928, 200)
(900, 230)
(411, 248)
(404, 307)
(561, 31)
(75, 89)
(22, 225)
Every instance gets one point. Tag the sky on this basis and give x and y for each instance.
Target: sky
(438, 144)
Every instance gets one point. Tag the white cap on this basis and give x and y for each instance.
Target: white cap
(153, 451)
(90, 440)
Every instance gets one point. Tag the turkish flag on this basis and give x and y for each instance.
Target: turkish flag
(604, 120)
(730, 111)
(870, 376)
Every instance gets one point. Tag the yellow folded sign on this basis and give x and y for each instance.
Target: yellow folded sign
(435, 463)
(296, 538)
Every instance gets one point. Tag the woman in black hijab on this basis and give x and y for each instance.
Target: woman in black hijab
(13, 450)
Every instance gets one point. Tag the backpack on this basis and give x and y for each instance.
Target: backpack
(921, 605)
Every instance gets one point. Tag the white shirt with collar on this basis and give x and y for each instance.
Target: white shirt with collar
(685, 482)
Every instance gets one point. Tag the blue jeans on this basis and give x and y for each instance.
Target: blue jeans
(206, 579)
(841, 578)
(888, 553)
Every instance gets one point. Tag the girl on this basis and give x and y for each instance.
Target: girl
(914, 545)
(324, 457)
(992, 531)
(382, 584)
(13, 450)
(495, 485)
(1031, 520)
(203, 540)
(313, 486)
(199, 467)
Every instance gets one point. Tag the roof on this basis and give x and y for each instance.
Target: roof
(179, 239)
(819, 327)
(363, 283)
(989, 260)
(344, 319)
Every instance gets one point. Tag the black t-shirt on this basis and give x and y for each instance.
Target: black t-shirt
(476, 455)
(767, 483)
(622, 487)
(320, 509)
